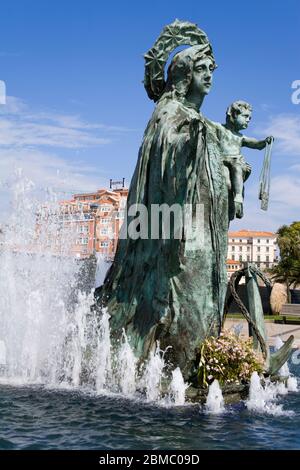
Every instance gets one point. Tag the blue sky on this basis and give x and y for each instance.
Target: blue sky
(77, 109)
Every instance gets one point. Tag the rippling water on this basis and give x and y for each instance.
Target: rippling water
(39, 418)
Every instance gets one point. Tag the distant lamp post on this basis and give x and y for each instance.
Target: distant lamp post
(93, 209)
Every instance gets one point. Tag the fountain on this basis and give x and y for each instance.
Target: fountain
(164, 294)
(153, 375)
(292, 384)
(50, 334)
(263, 397)
(127, 368)
(215, 401)
(177, 387)
(103, 355)
(36, 288)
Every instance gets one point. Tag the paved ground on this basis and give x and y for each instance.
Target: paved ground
(273, 330)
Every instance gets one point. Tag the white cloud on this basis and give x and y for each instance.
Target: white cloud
(295, 168)
(13, 105)
(48, 169)
(34, 141)
(18, 108)
(75, 122)
(286, 191)
(49, 173)
(23, 134)
(20, 127)
(283, 205)
(286, 130)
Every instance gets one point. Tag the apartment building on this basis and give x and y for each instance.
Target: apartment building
(254, 247)
(232, 266)
(88, 223)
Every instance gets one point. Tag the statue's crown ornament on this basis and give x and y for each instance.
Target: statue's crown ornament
(178, 33)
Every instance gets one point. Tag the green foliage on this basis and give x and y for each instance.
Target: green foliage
(228, 359)
(288, 269)
(289, 240)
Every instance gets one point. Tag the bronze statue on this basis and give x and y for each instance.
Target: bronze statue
(172, 289)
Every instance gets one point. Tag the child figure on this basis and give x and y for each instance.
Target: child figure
(238, 116)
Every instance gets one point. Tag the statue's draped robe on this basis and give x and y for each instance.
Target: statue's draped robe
(173, 290)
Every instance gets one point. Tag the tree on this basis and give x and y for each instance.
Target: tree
(288, 269)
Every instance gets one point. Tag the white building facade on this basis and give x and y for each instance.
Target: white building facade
(253, 247)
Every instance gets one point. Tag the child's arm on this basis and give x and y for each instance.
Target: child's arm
(252, 143)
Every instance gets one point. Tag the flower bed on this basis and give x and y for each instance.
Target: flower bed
(229, 359)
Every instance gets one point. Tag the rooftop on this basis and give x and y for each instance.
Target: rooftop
(251, 234)
(231, 261)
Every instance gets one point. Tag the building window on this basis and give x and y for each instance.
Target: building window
(268, 241)
(267, 249)
(233, 248)
(241, 258)
(267, 258)
(258, 248)
(258, 258)
(105, 221)
(104, 244)
(120, 215)
(258, 240)
(241, 241)
(248, 248)
(106, 208)
(248, 258)
(232, 240)
(83, 229)
(82, 241)
(241, 248)
(233, 258)
(104, 231)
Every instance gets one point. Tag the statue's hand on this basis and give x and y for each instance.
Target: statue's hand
(248, 167)
(239, 212)
(269, 139)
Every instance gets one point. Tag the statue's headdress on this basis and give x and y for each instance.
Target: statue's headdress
(178, 33)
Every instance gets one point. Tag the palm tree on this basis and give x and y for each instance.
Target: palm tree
(288, 269)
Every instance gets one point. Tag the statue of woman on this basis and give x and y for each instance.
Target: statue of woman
(173, 290)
